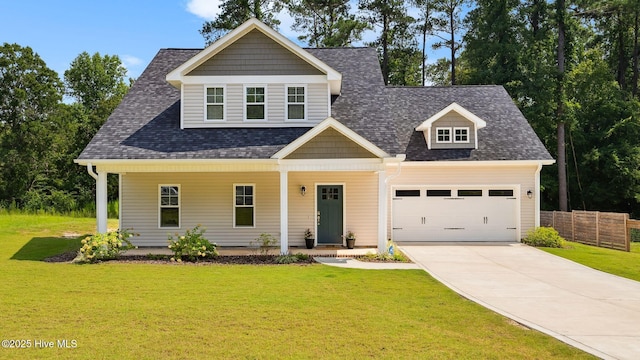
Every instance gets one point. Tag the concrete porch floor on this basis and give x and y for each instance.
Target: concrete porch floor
(325, 251)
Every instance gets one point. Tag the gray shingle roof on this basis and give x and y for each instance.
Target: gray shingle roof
(146, 125)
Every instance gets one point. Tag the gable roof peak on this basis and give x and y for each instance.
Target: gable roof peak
(176, 76)
(455, 107)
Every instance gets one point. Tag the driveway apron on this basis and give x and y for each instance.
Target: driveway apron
(591, 310)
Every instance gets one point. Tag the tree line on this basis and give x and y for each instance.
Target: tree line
(572, 68)
(46, 121)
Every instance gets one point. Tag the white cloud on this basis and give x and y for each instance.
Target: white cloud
(132, 64)
(206, 9)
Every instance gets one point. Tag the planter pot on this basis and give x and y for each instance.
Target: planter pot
(309, 243)
(351, 243)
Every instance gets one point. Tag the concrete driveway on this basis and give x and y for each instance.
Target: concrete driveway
(591, 310)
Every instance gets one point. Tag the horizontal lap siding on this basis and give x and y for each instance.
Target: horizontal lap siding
(194, 104)
(361, 203)
(206, 199)
(318, 102)
(522, 175)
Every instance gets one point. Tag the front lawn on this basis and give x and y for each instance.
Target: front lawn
(621, 263)
(154, 311)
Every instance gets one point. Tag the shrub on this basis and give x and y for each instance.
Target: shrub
(192, 246)
(544, 237)
(104, 246)
(291, 258)
(264, 243)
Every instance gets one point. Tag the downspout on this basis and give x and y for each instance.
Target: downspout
(91, 172)
(536, 193)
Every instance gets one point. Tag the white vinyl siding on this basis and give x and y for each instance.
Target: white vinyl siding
(452, 122)
(476, 176)
(193, 106)
(205, 198)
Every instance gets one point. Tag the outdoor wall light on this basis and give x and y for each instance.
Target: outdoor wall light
(529, 193)
(303, 190)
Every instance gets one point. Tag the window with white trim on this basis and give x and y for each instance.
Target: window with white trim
(443, 135)
(215, 103)
(296, 102)
(461, 135)
(169, 203)
(244, 205)
(255, 103)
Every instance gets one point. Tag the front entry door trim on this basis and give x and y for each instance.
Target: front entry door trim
(344, 191)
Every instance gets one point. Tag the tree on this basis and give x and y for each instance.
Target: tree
(390, 16)
(235, 12)
(425, 28)
(97, 83)
(492, 48)
(446, 24)
(29, 96)
(326, 23)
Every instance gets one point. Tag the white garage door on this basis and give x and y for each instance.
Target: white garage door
(455, 214)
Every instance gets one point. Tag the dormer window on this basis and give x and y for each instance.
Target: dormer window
(443, 135)
(215, 103)
(255, 103)
(296, 103)
(461, 135)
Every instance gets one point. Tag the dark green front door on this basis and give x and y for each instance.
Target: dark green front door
(329, 217)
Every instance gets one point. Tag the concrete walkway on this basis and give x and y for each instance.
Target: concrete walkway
(591, 310)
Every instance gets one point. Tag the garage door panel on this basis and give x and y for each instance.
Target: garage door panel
(485, 214)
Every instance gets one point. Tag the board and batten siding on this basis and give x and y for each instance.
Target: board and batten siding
(453, 120)
(206, 199)
(470, 175)
(255, 54)
(360, 204)
(193, 104)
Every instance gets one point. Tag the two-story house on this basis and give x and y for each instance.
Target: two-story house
(255, 134)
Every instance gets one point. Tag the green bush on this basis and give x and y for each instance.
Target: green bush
(104, 246)
(544, 237)
(192, 246)
(264, 243)
(291, 258)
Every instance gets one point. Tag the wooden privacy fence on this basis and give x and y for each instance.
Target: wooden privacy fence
(604, 229)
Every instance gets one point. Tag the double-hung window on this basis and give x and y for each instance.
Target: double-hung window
(169, 206)
(296, 103)
(443, 135)
(215, 103)
(255, 108)
(244, 205)
(461, 135)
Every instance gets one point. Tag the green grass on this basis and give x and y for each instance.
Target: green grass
(153, 311)
(621, 263)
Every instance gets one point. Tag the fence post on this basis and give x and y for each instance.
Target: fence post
(573, 225)
(598, 228)
(627, 234)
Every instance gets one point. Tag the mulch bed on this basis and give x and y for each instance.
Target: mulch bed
(165, 259)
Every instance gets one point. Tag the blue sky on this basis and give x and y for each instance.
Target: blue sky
(59, 30)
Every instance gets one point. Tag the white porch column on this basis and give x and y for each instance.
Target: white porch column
(101, 201)
(284, 212)
(382, 211)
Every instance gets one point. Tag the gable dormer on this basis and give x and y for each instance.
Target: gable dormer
(453, 127)
(254, 77)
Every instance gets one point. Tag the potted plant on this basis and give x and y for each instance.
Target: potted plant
(351, 239)
(308, 239)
